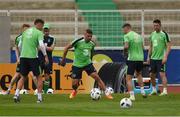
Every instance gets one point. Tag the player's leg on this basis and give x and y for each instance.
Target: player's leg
(24, 70)
(164, 81)
(34, 78)
(76, 77)
(91, 71)
(139, 67)
(130, 73)
(153, 72)
(47, 75)
(35, 68)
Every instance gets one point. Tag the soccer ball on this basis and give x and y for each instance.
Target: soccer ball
(125, 103)
(95, 94)
(109, 90)
(50, 91)
(23, 91)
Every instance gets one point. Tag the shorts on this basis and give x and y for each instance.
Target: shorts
(77, 72)
(156, 66)
(134, 66)
(18, 68)
(29, 64)
(47, 69)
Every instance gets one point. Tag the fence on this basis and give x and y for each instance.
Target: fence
(67, 25)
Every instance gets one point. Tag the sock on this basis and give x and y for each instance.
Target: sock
(131, 93)
(154, 89)
(164, 90)
(39, 96)
(46, 85)
(17, 92)
(142, 90)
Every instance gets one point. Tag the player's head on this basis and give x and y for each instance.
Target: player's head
(88, 35)
(46, 29)
(126, 27)
(24, 27)
(39, 23)
(157, 25)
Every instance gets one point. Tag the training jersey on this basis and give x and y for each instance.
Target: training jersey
(30, 42)
(158, 41)
(82, 52)
(135, 50)
(48, 41)
(17, 40)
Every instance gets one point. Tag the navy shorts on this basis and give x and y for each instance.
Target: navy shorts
(47, 69)
(77, 72)
(18, 68)
(134, 66)
(156, 66)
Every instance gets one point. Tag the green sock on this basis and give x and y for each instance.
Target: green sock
(46, 85)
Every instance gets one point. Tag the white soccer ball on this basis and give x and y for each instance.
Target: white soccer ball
(95, 94)
(125, 103)
(109, 90)
(50, 91)
(23, 91)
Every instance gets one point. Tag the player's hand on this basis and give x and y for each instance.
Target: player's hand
(46, 60)
(164, 60)
(62, 62)
(148, 61)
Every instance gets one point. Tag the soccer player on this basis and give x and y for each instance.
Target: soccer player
(32, 38)
(49, 42)
(159, 50)
(83, 48)
(17, 74)
(133, 44)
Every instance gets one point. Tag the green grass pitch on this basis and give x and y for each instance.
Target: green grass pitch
(82, 105)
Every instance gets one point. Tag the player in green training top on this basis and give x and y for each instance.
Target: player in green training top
(133, 43)
(32, 39)
(83, 49)
(159, 50)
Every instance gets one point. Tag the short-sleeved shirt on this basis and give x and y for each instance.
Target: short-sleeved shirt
(158, 41)
(82, 52)
(48, 41)
(135, 50)
(17, 40)
(30, 42)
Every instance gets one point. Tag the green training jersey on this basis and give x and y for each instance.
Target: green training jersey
(17, 40)
(30, 42)
(158, 41)
(135, 50)
(82, 52)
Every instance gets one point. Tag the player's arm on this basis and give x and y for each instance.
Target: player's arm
(66, 49)
(126, 46)
(168, 48)
(51, 48)
(17, 53)
(42, 47)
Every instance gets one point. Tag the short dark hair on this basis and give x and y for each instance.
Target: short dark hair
(157, 21)
(126, 25)
(89, 31)
(38, 21)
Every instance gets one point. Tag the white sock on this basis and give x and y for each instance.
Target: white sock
(17, 92)
(39, 96)
(164, 90)
(154, 89)
(131, 93)
(142, 90)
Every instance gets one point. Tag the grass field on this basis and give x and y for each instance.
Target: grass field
(83, 105)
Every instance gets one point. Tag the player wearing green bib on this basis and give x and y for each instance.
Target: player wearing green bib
(17, 74)
(159, 50)
(133, 43)
(32, 39)
(83, 49)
